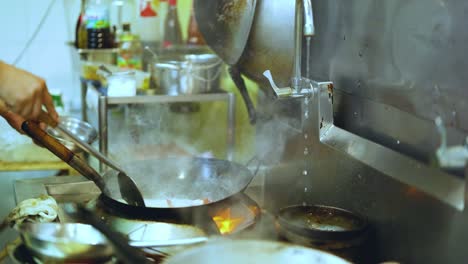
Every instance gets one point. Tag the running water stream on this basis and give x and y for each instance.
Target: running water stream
(305, 121)
(305, 171)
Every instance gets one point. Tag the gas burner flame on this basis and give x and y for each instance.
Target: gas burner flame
(226, 223)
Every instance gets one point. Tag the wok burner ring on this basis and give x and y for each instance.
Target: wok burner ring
(226, 217)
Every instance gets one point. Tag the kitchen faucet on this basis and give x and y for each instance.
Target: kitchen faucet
(304, 26)
(454, 157)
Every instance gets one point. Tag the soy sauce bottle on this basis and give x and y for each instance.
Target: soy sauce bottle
(99, 34)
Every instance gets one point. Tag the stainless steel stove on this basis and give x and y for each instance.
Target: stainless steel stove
(237, 216)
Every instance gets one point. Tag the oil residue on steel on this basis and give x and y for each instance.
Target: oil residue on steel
(231, 11)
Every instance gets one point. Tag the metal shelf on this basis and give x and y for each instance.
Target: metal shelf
(105, 102)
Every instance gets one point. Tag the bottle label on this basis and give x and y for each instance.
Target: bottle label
(127, 61)
(97, 18)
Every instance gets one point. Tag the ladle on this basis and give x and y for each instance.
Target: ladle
(128, 189)
(127, 185)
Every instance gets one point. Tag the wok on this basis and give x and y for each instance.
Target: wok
(170, 183)
(251, 36)
(225, 26)
(182, 182)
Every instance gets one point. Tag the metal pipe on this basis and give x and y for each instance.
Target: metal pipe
(166, 99)
(103, 133)
(309, 25)
(84, 106)
(231, 137)
(298, 29)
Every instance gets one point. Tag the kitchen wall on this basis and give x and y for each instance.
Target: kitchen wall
(396, 66)
(48, 55)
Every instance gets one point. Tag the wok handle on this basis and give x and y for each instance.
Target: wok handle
(58, 149)
(258, 165)
(239, 82)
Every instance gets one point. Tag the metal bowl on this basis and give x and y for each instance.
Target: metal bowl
(69, 242)
(79, 128)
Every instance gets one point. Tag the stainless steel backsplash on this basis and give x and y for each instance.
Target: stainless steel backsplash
(396, 65)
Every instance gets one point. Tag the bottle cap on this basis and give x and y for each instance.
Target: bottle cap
(126, 27)
(172, 2)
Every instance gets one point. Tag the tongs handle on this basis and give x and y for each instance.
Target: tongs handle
(35, 132)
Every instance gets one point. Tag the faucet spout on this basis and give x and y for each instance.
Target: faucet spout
(454, 157)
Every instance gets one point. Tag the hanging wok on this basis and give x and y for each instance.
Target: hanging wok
(251, 36)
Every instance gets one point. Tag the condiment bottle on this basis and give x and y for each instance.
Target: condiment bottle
(79, 23)
(130, 53)
(172, 33)
(194, 35)
(99, 35)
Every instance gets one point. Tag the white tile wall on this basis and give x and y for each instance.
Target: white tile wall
(48, 56)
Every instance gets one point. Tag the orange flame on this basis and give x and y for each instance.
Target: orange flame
(225, 222)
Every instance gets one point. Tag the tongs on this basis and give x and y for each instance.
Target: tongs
(128, 189)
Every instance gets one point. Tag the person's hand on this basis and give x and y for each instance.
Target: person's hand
(25, 94)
